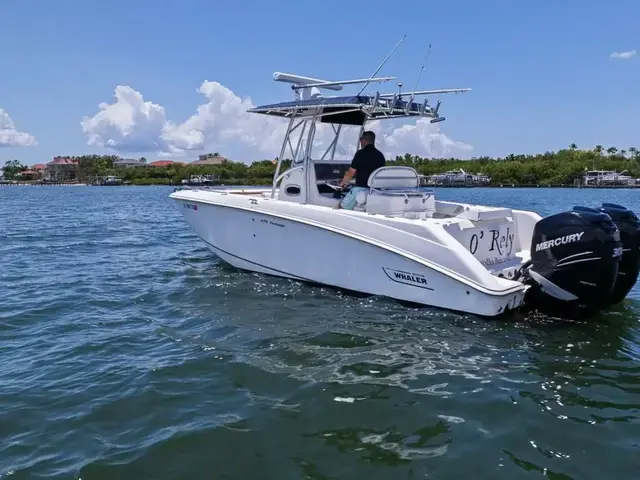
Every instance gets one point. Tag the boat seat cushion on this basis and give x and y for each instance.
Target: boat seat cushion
(394, 177)
(384, 203)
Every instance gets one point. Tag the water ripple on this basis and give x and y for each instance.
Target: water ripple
(130, 351)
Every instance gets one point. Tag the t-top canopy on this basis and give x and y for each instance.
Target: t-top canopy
(347, 110)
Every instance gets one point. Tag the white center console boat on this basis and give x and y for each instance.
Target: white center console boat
(401, 241)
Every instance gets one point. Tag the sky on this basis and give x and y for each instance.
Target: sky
(171, 79)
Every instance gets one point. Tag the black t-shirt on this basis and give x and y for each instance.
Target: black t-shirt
(365, 162)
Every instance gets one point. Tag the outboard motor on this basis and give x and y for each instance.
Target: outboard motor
(575, 258)
(629, 226)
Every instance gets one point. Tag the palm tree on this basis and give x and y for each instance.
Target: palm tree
(634, 152)
(573, 146)
(623, 153)
(612, 150)
(598, 149)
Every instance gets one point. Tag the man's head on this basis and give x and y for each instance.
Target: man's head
(367, 138)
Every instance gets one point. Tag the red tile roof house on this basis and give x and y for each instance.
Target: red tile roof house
(164, 163)
(36, 172)
(61, 169)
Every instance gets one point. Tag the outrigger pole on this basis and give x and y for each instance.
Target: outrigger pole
(382, 64)
(428, 92)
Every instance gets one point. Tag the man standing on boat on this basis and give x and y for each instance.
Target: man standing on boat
(364, 163)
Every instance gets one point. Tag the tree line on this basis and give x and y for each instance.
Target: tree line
(564, 166)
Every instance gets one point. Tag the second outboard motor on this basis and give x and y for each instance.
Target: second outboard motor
(629, 226)
(575, 258)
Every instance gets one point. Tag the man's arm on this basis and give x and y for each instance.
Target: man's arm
(348, 176)
(353, 168)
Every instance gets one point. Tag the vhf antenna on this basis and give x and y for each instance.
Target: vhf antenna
(422, 69)
(424, 63)
(382, 64)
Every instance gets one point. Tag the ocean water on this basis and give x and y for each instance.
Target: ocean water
(129, 351)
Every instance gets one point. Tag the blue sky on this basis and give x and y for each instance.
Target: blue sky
(541, 72)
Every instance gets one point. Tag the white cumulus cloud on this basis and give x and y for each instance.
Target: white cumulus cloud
(222, 124)
(128, 125)
(623, 55)
(10, 136)
(419, 138)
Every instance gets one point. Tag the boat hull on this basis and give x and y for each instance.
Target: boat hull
(274, 244)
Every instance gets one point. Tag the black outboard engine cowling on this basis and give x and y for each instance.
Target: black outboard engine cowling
(575, 257)
(629, 226)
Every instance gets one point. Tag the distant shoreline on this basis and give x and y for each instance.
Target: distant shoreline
(588, 187)
(566, 168)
